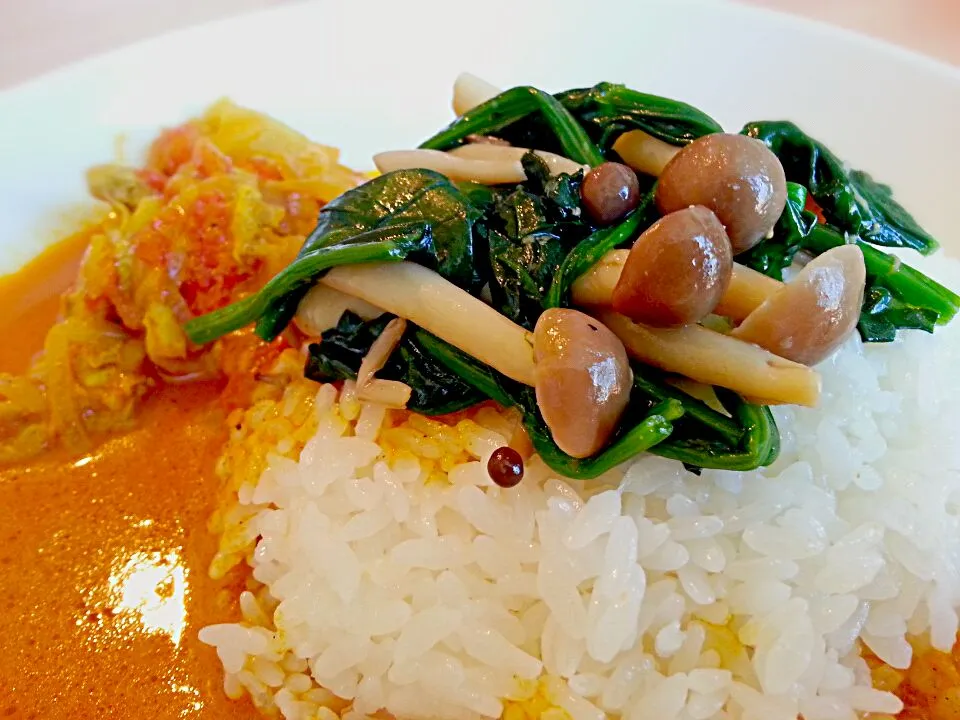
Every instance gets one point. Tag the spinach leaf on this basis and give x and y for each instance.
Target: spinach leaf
(407, 196)
(601, 113)
(759, 446)
(894, 226)
(884, 313)
(772, 255)
(408, 214)
(561, 193)
(607, 110)
(436, 391)
(521, 272)
(512, 105)
(852, 202)
(527, 233)
(385, 244)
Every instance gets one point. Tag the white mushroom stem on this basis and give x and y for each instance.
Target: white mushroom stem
(440, 307)
(380, 351)
(644, 152)
(747, 290)
(715, 359)
(470, 91)
(506, 153)
(391, 393)
(480, 163)
(322, 307)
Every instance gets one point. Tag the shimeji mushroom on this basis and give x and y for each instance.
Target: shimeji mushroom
(479, 162)
(809, 317)
(677, 270)
(745, 292)
(583, 380)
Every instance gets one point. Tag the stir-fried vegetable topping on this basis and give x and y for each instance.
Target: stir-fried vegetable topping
(503, 234)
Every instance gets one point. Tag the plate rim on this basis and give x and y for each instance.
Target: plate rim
(90, 63)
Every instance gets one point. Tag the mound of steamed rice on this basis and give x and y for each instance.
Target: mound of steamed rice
(390, 573)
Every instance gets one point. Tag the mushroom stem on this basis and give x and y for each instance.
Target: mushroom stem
(481, 163)
(507, 153)
(380, 351)
(420, 295)
(748, 289)
(391, 393)
(643, 152)
(716, 359)
(470, 91)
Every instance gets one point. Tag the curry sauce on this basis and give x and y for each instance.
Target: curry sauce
(103, 558)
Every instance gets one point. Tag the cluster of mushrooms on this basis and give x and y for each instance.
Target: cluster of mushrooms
(718, 197)
(657, 302)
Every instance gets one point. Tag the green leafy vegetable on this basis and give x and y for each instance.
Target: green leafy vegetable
(436, 390)
(759, 447)
(385, 244)
(528, 231)
(521, 272)
(403, 196)
(884, 313)
(607, 110)
(408, 214)
(600, 113)
(512, 105)
(852, 202)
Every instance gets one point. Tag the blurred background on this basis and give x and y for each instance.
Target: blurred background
(40, 35)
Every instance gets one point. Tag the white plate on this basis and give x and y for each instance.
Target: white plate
(366, 77)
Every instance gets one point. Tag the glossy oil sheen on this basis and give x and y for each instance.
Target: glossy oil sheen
(677, 270)
(103, 558)
(583, 379)
(736, 177)
(810, 317)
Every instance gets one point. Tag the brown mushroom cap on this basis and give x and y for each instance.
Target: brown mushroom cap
(811, 316)
(735, 176)
(677, 270)
(583, 379)
(610, 191)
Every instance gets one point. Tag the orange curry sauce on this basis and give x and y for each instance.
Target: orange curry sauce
(103, 559)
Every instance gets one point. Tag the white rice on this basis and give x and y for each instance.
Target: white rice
(649, 593)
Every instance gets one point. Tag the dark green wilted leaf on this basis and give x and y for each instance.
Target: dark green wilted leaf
(884, 313)
(560, 193)
(436, 391)
(407, 196)
(894, 226)
(852, 202)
